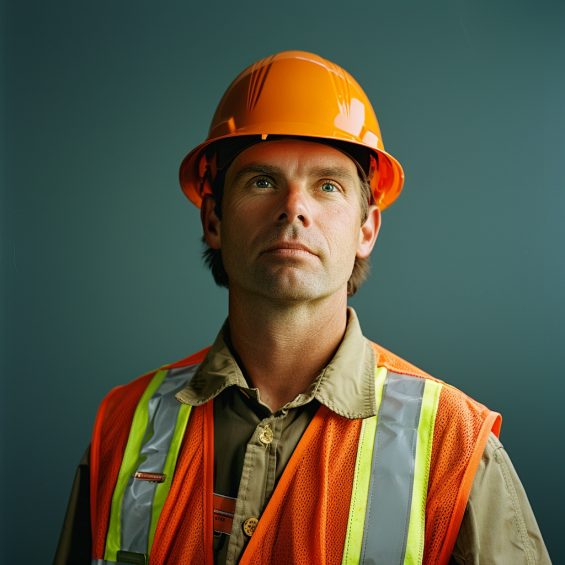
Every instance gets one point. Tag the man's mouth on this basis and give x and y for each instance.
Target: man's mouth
(289, 248)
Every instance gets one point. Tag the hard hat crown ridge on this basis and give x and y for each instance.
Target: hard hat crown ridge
(295, 93)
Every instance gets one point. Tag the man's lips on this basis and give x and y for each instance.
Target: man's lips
(289, 248)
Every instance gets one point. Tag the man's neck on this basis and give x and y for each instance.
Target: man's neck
(284, 347)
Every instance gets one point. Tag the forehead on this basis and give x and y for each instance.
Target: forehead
(294, 156)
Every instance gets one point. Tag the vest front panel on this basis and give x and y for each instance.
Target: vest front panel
(335, 499)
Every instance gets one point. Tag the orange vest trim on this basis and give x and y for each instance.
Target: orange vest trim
(109, 439)
(466, 483)
(95, 460)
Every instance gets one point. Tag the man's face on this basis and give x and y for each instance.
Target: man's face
(291, 220)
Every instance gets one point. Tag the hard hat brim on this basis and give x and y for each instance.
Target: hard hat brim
(385, 186)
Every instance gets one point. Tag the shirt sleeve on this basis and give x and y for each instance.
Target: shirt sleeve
(75, 542)
(499, 525)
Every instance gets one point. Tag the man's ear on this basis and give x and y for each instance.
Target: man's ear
(210, 222)
(369, 232)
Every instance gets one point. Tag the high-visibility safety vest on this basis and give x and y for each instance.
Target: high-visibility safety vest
(389, 489)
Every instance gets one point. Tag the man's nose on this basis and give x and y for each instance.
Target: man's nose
(295, 206)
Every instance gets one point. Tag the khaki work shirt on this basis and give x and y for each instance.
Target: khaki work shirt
(253, 444)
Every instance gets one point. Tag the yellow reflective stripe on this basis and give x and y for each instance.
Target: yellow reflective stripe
(129, 464)
(356, 521)
(162, 490)
(361, 479)
(416, 529)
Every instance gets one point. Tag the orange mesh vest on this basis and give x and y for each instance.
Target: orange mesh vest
(306, 519)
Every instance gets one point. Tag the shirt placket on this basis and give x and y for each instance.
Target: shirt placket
(256, 485)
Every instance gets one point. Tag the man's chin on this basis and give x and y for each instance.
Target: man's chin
(292, 287)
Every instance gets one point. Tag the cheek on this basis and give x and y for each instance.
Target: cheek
(241, 225)
(243, 210)
(341, 228)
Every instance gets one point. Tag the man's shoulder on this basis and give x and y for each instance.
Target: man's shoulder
(451, 398)
(136, 387)
(193, 359)
(395, 364)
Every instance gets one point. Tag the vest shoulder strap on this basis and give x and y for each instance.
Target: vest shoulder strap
(113, 423)
(461, 430)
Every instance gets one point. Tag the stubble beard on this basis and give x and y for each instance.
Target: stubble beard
(289, 280)
(301, 282)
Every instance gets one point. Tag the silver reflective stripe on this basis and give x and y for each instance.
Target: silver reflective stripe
(392, 471)
(137, 502)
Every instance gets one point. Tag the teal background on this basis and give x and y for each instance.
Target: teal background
(101, 272)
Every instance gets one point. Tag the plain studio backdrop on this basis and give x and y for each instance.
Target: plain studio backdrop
(102, 278)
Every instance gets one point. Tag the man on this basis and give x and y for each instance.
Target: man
(294, 439)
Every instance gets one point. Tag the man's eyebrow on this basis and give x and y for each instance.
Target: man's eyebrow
(257, 168)
(335, 172)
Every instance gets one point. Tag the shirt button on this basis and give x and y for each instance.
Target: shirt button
(249, 526)
(266, 436)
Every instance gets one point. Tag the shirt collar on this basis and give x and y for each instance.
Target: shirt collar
(346, 386)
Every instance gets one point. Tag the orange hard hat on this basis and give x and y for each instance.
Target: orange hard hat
(295, 94)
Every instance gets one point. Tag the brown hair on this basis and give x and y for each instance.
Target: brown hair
(213, 257)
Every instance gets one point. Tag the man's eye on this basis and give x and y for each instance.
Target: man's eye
(329, 187)
(263, 183)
